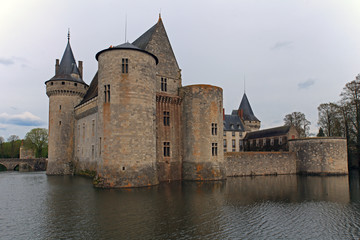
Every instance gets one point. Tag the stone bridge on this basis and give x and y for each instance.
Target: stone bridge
(17, 164)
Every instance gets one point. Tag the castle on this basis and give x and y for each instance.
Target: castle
(135, 125)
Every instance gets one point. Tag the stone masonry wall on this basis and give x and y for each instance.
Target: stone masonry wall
(259, 163)
(126, 125)
(201, 108)
(86, 145)
(63, 97)
(320, 155)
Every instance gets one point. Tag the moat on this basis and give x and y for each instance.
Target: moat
(35, 206)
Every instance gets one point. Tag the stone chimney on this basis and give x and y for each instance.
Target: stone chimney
(81, 68)
(241, 113)
(57, 66)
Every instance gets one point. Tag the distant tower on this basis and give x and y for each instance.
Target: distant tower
(127, 113)
(65, 90)
(251, 123)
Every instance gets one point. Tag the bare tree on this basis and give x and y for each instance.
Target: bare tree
(299, 121)
(330, 119)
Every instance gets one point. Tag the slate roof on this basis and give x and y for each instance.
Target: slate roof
(235, 121)
(144, 39)
(127, 45)
(270, 132)
(92, 91)
(248, 114)
(68, 69)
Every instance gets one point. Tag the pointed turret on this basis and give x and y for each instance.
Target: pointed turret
(68, 70)
(245, 109)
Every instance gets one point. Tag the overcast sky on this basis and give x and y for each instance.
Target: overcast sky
(294, 54)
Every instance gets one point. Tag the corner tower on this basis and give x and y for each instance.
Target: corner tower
(65, 90)
(127, 113)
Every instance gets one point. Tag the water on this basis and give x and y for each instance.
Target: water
(35, 206)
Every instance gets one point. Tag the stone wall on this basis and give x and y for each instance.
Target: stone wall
(86, 140)
(126, 123)
(63, 97)
(259, 163)
(201, 108)
(169, 167)
(320, 155)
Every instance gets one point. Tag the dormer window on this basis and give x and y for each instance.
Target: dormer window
(232, 126)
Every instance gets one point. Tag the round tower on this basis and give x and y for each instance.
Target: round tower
(65, 90)
(127, 114)
(202, 119)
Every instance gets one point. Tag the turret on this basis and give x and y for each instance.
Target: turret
(127, 112)
(246, 114)
(65, 90)
(202, 118)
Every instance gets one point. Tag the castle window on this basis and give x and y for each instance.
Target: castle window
(233, 133)
(280, 140)
(125, 65)
(233, 143)
(105, 93)
(93, 128)
(62, 83)
(51, 83)
(224, 143)
(75, 84)
(92, 151)
(272, 142)
(108, 91)
(214, 149)
(59, 122)
(166, 118)
(224, 133)
(232, 126)
(60, 107)
(83, 130)
(214, 128)
(99, 146)
(163, 84)
(166, 149)
(123, 168)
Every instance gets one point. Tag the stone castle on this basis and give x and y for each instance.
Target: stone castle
(136, 125)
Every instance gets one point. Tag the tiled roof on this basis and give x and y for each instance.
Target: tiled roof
(92, 91)
(68, 69)
(270, 132)
(248, 114)
(233, 123)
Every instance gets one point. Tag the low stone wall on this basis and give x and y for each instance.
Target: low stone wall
(324, 156)
(260, 163)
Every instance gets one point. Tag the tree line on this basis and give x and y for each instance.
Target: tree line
(36, 139)
(342, 118)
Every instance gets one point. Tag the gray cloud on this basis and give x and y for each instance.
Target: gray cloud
(23, 119)
(6, 61)
(283, 44)
(305, 85)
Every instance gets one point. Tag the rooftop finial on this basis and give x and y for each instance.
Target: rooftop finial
(160, 15)
(68, 34)
(125, 26)
(244, 84)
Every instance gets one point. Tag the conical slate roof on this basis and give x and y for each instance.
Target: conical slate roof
(247, 112)
(68, 69)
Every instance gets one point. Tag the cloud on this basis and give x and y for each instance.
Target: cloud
(283, 44)
(2, 127)
(23, 119)
(6, 61)
(306, 84)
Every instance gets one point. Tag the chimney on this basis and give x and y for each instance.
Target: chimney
(223, 114)
(241, 113)
(57, 66)
(81, 68)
